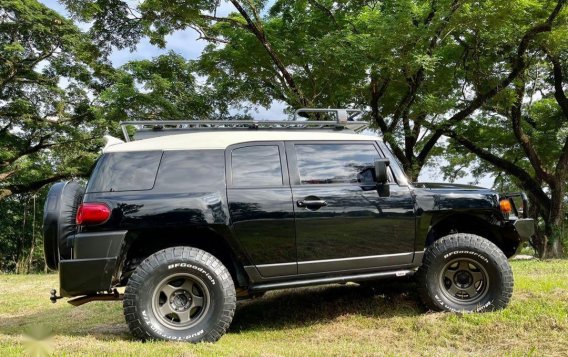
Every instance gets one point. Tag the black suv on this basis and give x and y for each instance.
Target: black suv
(191, 222)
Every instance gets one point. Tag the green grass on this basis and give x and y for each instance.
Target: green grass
(323, 321)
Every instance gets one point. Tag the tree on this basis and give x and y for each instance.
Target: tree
(410, 61)
(425, 69)
(21, 233)
(162, 88)
(524, 134)
(48, 130)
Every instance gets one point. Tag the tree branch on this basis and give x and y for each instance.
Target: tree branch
(523, 139)
(527, 182)
(325, 10)
(415, 81)
(224, 19)
(518, 65)
(559, 94)
(377, 92)
(9, 190)
(257, 30)
(29, 149)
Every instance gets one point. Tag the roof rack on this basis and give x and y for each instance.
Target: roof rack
(345, 119)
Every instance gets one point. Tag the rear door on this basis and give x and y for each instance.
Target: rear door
(342, 223)
(260, 204)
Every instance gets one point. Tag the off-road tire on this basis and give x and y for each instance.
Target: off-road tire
(480, 258)
(144, 319)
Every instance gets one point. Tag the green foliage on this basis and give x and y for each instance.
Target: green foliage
(419, 65)
(423, 69)
(21, 233)
(162, 88)
(48, 129)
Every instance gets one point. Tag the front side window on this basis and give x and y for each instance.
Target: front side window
(257, 165)
(336, 163)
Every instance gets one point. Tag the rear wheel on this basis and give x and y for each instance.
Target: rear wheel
(181, 294)
(465, 273)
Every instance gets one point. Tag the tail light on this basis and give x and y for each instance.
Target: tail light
(505, 205)
(92, 213)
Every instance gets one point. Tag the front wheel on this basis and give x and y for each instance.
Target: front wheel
(465, 273)
(180, 294)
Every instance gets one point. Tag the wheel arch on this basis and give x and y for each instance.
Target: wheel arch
(139, 245)
(482, 225)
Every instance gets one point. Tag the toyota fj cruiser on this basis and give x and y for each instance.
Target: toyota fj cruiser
(192, 215)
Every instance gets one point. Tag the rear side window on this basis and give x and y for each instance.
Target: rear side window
(125, 171)
(257, 165)
(336, 163)
(191, 171)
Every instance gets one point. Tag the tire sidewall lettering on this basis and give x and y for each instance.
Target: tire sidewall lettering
(445, 306)
(451, 254)
(157, 329)
(194, 267)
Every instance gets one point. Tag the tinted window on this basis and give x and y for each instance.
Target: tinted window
(256, 166)
(336, 163)
(191, 171)
(125, 171)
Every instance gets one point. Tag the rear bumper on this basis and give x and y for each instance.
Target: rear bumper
(94, 263)
(85, 276)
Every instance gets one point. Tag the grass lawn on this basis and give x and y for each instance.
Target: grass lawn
(324, 321)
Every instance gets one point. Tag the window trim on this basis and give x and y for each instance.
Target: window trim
(283, 163)
(295, 180)
(104, 157)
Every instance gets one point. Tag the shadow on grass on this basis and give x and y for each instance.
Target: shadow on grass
(307, 306)
(277, 310)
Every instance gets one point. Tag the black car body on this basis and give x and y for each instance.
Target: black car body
(278, 209)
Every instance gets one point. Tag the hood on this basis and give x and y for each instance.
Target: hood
(446, 186)
(448, 196)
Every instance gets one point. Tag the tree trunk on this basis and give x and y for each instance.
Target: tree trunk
(33, 240)
(555, 223)
(31, 256)
(548, 241)
(538, 241)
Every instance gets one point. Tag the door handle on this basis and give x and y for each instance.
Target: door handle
(311, 204)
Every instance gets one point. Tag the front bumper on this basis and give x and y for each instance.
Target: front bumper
(524, 228)
(95, 257)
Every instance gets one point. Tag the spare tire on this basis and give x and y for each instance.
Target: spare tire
(59, 212)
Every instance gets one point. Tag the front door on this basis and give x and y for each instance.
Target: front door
(342, 222)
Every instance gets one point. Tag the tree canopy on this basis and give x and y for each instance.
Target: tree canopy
(458, 83)
(48, 129)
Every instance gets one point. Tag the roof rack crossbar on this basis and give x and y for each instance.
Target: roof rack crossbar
(342, 115)
(345, 120)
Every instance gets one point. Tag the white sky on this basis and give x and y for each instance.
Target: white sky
(186, 44)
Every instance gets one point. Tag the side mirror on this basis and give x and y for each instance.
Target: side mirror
(381, 176)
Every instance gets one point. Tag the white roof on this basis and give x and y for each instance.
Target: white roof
(223, 139)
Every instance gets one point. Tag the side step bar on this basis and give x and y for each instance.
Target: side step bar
(330, 280)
